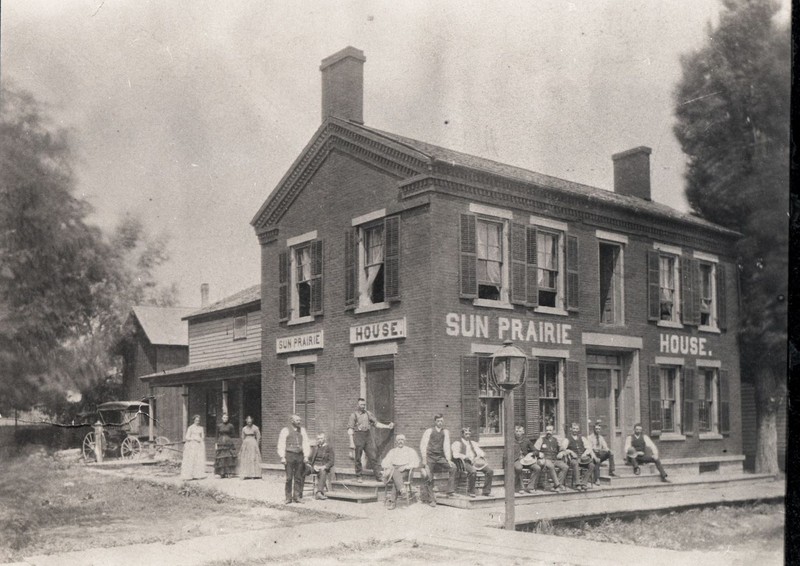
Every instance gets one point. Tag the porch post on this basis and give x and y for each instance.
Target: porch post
(185, 406)
(224, 396)
(150, 414)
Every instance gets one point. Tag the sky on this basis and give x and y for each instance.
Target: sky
(188, 113)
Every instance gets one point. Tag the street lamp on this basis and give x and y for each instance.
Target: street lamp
(509, 366)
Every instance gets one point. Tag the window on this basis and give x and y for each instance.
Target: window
(490, 399)
(549, 393)
(372, 256)
(371, 277)
(240, 327)
(669, 398)
(709, 401)
(490, 259)
(300, 279)
(304, 395)
(548, 261)
(611, 278)
(668, 288)
(301, 283)
(708, 306)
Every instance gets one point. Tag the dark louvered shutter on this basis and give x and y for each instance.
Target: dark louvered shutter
(283, 285)
(655, 400)
(653, 288)
(724, 402)
(688, 400)
(518, 265)
(310, 393)
(688, 315)
(573, 287)
(697, 283)
(470, 409)
(573, 393)
(519, 407)
(531, 271)
(391, 259)
(532, 399)
(350, 268)
(469, 256)
(316, 277)
(722, 310)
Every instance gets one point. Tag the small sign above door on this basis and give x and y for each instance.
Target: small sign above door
(300, 342)
(376, 331)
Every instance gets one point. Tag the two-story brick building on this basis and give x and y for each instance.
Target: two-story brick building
(393, 269)
(224, 370)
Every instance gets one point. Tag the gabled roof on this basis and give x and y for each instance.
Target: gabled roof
(420, 158)
(244, 297)
(164, 326)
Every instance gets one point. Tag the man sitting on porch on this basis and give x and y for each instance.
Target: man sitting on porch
(321, 463)
(470, 459)
(579, 457)
(549, 448)
(601, 452)
(397, 465)
(639, 449)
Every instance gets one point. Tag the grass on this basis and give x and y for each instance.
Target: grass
(756, 526)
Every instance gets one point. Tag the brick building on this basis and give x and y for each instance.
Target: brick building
(393, 268)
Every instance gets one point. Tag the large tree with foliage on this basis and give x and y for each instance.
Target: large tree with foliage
(732, 109)
(65, 287)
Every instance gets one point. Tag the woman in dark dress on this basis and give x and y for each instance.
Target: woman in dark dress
(225, 459)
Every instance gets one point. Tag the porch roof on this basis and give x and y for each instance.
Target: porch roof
(208, 371)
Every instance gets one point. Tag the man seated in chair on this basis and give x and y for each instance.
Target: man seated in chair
(579, 458)
(470, 459)
(601, 452)
(397, 466)
(321, 463)
(550, 449)
(524, 459)
(639, 449)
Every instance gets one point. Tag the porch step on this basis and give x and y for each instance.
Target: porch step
(351, 496)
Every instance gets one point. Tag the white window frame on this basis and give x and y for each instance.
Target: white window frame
(713, 325)
(561, 391)
(242, 335)
(501, 416)
(619, 243)
(504, 217)
(677, 418)
(713, 428)
(295, 244)
(362, 224)
(559, 229)
(675, 321)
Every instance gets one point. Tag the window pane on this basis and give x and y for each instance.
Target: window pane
(490, 398)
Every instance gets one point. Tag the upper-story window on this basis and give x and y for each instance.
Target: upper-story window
(668, 288)
(612, 306)
(240, 327)
(300, 279)
(372, 262)
(548, 253)
(491, 285)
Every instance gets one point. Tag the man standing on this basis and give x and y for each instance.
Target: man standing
(397, 464)
(579, 457)
(294, 450)
(601, 453)
(321, 463)
(467, 454)
(435, 450)
(524, 452)
(359, 429)
(639, 449)
(549, 448)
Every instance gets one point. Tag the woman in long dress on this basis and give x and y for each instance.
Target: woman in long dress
(250, 453)
(193, 465)
(225, 457)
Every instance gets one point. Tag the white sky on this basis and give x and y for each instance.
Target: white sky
(189, 112)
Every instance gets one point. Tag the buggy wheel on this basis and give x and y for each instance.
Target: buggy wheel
(89, 446)
(161, 443)
(130, 448)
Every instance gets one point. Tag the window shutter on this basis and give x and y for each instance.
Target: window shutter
(724, 402)
(518, 265)
(519, 407)
(722, 311)
(573, 289)
(469, 257)
(350, 268)
(655, 401)
(316, 277)
(531, 273)
(470, 408)
(573, 394)
(283, 285)
(697, 284)
(688, 400)
(532, 399)
(687, 292)
(391, 259)
(653, 288)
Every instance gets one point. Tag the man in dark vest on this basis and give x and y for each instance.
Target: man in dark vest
(435, 451)
(524, 450)
(639, 449)
(321, 463)
(359, 429)
(294, 450)
(579, 457)
(551, 451)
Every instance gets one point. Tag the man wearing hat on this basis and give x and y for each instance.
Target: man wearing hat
(470, 459)
(601, 452)
(579, 457)
(550, 448)
(639, 449)
(524, 459)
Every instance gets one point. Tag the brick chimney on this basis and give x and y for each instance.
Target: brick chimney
(343, 85)
(203, 295)
(632, 172)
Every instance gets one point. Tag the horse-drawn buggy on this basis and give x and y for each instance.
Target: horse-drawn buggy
(126, 429)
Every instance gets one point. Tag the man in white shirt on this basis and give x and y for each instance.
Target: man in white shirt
(466, 453)
(601, 452)
(397, 464)
(294, 450)
(639, 449)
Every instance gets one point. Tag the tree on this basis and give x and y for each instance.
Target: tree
(732, 108)
(65, 288)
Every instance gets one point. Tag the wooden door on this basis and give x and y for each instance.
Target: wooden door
(380, 400)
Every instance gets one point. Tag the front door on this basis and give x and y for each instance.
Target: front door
(600, 401)
(380, 400)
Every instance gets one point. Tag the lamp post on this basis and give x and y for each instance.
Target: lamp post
(509, 366)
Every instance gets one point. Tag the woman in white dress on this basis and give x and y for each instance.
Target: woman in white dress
(193, 465)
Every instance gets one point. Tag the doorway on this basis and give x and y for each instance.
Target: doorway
(611, 395)
(379, 385)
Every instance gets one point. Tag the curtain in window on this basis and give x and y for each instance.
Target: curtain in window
(304, 264)
(667, 279)
(490, 252)
(547, 259)
(374, 254)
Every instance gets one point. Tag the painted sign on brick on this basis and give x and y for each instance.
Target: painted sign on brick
(309, 341)
(376, 331)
